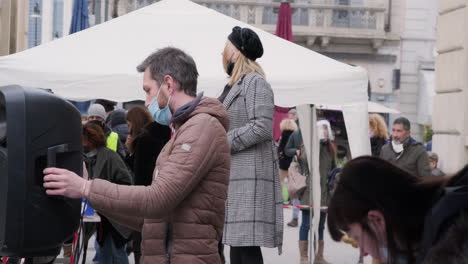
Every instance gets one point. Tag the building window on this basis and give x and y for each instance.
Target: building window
(57, 26)
(35, 23)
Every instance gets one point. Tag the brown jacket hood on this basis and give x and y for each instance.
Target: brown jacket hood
(206, 105)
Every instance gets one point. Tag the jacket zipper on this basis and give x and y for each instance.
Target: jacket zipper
(169, 242)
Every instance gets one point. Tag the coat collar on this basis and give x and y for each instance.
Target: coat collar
(233, 93)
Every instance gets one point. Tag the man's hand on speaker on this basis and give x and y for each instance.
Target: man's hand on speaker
(64, 182)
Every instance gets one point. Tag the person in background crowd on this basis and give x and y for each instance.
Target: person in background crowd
(145, 142)
(287, 126)
(404, 151)
(292, 146)
(341, 156)
(398, 218)
(181, 213)
(84, 119)
(326, 163)
(103, 163)
(97, 114)
(433, 163)
(254, 208)
(116, 121)
(378, 133)
(108, 105)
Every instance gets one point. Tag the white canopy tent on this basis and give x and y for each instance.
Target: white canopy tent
(100, 62)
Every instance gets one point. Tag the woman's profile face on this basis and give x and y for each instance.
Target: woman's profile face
(367, 244)
(229, 54)
(129, 124)
(86, 145)
(325, 132)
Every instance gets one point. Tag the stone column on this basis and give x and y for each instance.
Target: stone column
(5, 18)
(450, 108)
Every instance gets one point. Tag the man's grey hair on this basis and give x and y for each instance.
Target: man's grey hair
(403, 121)
(175, 63)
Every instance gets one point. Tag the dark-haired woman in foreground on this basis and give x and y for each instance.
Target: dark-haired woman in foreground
(399, 218)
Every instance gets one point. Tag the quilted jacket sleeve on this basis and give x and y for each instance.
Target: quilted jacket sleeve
(192, 155)
(260, 110)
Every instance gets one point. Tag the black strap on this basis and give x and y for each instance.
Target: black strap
(454, 200)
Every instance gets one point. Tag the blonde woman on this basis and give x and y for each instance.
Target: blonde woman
(378, 133)
(254, 214)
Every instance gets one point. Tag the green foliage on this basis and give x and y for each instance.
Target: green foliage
(428, 133)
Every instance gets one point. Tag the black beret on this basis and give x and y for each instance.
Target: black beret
(247, 42)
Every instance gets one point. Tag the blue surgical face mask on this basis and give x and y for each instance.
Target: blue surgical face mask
(162, 116)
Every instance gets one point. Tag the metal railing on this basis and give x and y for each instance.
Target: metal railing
(328, 18)
(370, 15)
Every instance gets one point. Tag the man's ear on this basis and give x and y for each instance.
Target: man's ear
(169, 82)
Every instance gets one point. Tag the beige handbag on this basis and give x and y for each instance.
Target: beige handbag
(296, 181)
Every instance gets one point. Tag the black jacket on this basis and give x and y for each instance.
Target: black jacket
(284, 160)
(452, 247)
(294, 143)
(446, 234)
(147, 147)
(376, 145)
(105, 164)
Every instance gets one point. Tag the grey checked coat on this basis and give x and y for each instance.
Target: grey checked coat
(254, 214)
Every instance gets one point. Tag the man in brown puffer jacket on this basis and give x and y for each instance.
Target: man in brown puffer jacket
(181, 214)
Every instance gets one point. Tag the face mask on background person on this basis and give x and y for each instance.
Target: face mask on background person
(397, 146)
(323, 133)
(162, 116)
(230, 68)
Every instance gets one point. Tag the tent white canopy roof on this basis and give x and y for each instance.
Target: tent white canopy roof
(100, 62)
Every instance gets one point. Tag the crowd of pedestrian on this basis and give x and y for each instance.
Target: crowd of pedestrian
(186, 175)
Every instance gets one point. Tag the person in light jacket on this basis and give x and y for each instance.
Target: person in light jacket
(181, 214)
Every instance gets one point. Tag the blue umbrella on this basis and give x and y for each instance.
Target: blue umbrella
(80, 18)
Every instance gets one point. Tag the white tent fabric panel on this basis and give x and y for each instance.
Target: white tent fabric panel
(307, 121)
(357, 121)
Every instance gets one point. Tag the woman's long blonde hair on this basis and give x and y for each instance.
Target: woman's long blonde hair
(288, 125)
(242, 66)
(378, 126)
